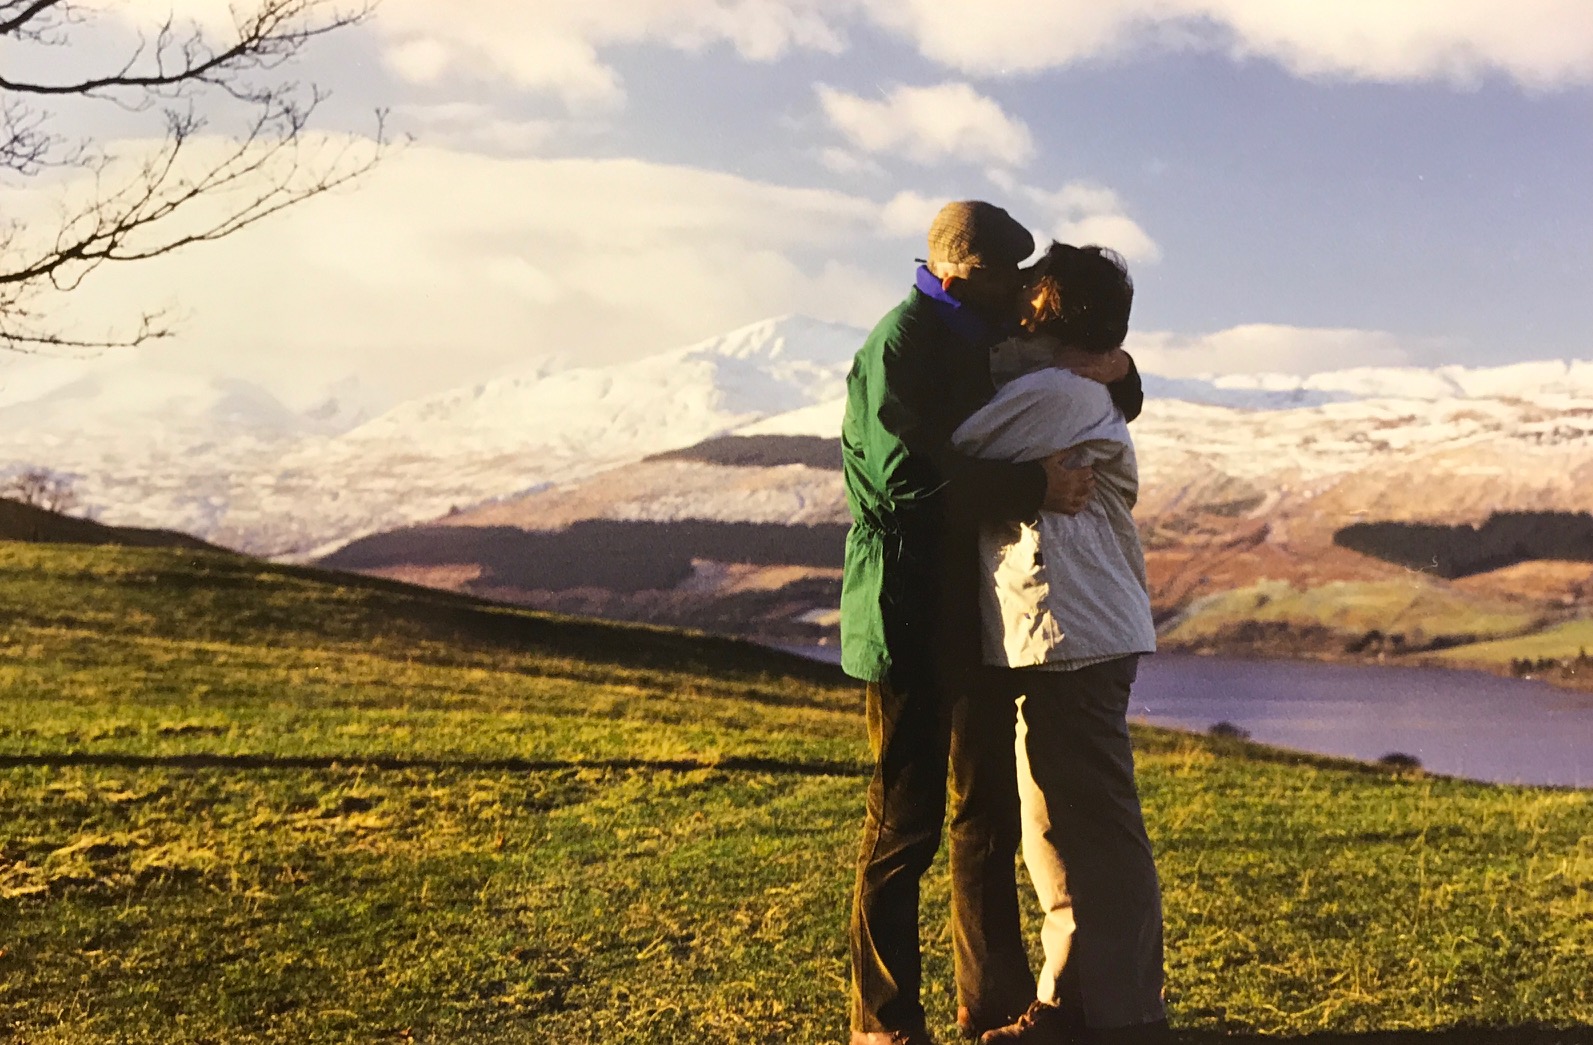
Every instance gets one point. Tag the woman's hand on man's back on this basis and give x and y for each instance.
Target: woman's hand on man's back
(1108, 368)
(1067, 490)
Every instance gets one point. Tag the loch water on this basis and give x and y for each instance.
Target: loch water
(1457, 723)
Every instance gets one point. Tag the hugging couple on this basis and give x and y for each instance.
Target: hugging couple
(994, 603)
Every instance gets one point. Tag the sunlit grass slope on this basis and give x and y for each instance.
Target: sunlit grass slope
(1560, 642)
(1341, 612)
(242, 803)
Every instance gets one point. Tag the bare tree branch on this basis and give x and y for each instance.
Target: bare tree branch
(274, 32)
(25, 145)
(18, 17)
(19, 334)
(42, 488)
(191, 188)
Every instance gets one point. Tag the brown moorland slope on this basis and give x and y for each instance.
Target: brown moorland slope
(1216, 521)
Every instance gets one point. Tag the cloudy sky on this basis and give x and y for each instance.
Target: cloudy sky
(1297, 185)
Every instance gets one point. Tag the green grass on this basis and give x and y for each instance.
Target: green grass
(242, 803)
(1414, 607)
(1559, 642)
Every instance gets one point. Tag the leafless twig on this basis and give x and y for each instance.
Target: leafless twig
(192, 187)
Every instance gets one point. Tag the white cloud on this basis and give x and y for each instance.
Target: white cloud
(517, 276)
(1010, 36)
(950, 121)
(844, 162)
(1266, 348)
(551, 45)
(422, 61)
(425, 49)
(555, 45)
(471, 125)
(559, 46)
(909, 213)
(444, 267)
(1539, 43)
(1081, 213)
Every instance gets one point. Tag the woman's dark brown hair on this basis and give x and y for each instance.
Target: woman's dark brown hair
(1082, 297)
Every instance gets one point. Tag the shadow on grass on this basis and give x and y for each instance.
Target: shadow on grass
(771, 766)
(472, 624)
(229, 598)
(1450, 1036)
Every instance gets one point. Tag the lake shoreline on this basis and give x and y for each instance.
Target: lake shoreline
(830, 653)
(1424, 660)
(1451, 721)
(1454, 721)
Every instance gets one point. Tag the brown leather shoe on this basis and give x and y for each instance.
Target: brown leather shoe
(1042, 1024)
(974, 1026)
(891, 1037)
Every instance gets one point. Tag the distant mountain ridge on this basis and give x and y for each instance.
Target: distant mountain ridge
(1230, 498)
(1516, 380)
(225, 460)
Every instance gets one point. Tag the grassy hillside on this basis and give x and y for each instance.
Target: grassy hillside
(1489, 627)
(24, 522)
(246, 803)
(1403, 615)
(1564, 643)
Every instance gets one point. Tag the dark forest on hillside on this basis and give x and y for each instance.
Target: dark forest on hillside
(598, 553)
(761, 451)
(1505, 539)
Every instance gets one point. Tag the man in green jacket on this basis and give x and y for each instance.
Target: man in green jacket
(910, 629)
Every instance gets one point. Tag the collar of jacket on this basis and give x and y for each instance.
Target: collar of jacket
(963, 321)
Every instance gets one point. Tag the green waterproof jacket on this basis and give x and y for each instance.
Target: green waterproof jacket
(909, 594)
(909, 586)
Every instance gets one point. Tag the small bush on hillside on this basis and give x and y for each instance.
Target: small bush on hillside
(1568, 667)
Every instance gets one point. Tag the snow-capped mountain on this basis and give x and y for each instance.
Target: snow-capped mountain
(343, 405)
(1305, 472)
(1335, 438)
(225, 460)
(624, 411)
(1536, 380)
(146, 446)
(125, 393)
